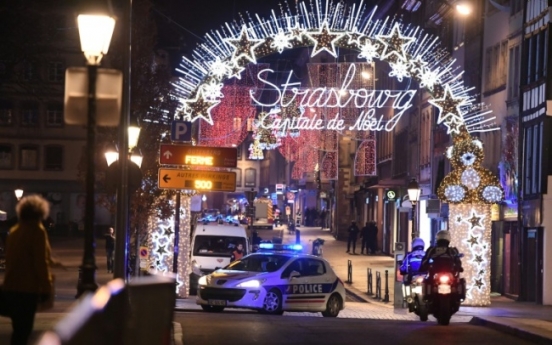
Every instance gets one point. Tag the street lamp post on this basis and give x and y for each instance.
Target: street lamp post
(18, 193)
(133, 177)
(414, 195)
(96, 25)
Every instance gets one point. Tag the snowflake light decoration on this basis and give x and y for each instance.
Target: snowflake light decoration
(282, 41)
(369, 51)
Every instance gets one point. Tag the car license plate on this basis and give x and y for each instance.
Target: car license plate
(443, 289)
(218, 302)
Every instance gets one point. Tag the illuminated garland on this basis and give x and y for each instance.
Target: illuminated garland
(365, 159)
(184, 247)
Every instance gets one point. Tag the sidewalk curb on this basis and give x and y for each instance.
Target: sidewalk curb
(520, 333)
(364, 297)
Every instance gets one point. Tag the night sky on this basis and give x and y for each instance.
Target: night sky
(185, 22)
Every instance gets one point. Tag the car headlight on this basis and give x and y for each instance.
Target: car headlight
(202, 280)
(250, 284)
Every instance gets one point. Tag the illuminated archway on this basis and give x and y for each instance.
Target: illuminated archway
(326, 26)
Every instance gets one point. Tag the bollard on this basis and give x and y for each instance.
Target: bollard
(297, 236)
(378, 285)
(369, 275)
(349, 272)
(386, 296)
(79, 280)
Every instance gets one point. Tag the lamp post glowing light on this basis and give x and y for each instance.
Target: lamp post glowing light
(464, 8)
(18, 193)
(413, 189)
(96, 25)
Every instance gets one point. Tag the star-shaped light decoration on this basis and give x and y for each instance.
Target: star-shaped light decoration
(459, 219)
(168, 231)
(369, 50)
(324, 40)
(296, 32)
(235, 71)
(161, 250)
(244, 46)
(449, 106)
(475, 220)
(478, 259)
(473, 240)
(281, 41)
(454, 125)
(199, 107)
(354, 37)
(395, 43)
(418, 65)
(479, 283)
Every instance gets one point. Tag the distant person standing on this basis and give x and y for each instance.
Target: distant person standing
(110, 249)
(372, 233)
(364, 244)
(237, 254)
(28, 279)
(353, 234)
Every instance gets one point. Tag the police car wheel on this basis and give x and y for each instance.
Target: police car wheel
(212, 308)
(333, 306)
(273, 303)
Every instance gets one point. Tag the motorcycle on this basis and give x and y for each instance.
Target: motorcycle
(443, 290)
(412, 293)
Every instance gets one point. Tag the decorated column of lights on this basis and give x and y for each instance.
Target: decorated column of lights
(255, 150)
(470, 190)
(184, 247)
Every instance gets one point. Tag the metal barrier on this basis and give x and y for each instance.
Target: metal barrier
(386, 296)
(349, 272)
(378, 285)
(369, 277)
(139, 313)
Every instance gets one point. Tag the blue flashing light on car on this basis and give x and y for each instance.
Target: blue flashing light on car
(281, 247)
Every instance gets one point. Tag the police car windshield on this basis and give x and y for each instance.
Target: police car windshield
(259, 263)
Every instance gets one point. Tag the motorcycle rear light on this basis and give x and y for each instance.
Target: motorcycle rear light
(444, 279)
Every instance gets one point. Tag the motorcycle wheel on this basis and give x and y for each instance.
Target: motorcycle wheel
(422, 311)
(444, 310)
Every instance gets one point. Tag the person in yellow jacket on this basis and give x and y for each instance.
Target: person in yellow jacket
(28, 279)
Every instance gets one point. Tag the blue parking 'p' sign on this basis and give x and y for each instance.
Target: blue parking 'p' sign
(181, 131)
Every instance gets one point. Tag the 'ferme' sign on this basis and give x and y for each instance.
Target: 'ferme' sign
(368, 100)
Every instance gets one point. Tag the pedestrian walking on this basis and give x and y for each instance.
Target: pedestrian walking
(364, 236)
(110, 249)
(28, 278)
(353, 234)
(372, 233)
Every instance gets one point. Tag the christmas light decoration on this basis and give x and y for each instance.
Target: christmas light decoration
(468, 182)
(365, 159)
(184, 266)
(326, 26)
(255, 150)
(471, 235)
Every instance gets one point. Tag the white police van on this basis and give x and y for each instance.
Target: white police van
(212, 247)
(274, 282)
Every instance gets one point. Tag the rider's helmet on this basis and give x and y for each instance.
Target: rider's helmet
(443, 237)
(418, 244)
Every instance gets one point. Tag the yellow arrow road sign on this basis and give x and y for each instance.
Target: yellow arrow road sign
(219, 181)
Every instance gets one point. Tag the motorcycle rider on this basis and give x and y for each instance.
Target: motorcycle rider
(413, 260)
(441, 254)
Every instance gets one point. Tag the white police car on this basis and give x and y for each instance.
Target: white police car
(274, 282)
